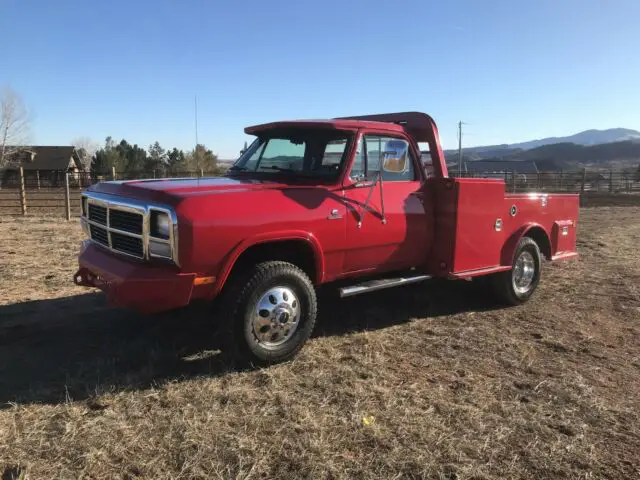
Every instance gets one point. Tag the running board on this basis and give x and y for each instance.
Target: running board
(373, 285)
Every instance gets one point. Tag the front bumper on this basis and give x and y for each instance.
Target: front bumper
(144, 287)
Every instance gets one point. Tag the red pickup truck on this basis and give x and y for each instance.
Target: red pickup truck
(310, 202)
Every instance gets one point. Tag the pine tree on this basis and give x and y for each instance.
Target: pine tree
(156, 162)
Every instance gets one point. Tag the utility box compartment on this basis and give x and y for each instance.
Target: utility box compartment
(563, 236)
(469, 224)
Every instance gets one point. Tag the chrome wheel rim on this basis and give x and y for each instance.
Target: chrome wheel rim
(275, 317)
(524, 271)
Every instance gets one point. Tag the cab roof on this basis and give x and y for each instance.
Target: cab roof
(418, 125)
(330, 123)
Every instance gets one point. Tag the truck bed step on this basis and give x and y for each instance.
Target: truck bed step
(379, 284)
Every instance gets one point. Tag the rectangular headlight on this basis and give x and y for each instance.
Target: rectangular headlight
(160, 224)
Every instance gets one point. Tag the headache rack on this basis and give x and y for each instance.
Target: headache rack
(123, 226)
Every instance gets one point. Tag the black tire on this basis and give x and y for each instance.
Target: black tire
(505, 283)
(242, 297)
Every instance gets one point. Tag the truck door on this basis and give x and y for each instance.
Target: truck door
(399, 239)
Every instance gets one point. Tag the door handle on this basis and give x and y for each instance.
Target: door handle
(334, 215)
(363, 185)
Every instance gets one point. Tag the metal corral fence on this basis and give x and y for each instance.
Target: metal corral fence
(577, 181)
(53, 192)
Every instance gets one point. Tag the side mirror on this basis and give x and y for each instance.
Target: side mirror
(394, 161)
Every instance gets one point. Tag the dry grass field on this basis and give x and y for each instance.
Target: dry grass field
(428, 381)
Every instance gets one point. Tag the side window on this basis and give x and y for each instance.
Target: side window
(358, 164)
(375, 148)
(393, 149)
(426, 162)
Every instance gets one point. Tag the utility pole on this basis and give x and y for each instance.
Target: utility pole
(460, 149)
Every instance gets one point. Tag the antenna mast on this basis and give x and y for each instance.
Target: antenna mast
(195, 101)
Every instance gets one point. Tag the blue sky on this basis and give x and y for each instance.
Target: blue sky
(513, 70)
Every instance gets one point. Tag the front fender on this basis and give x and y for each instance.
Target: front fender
(275, 236)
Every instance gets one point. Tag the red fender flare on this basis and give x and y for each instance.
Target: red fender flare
(278, 236)
(509, 248)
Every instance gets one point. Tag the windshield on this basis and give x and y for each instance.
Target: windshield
(310, 152)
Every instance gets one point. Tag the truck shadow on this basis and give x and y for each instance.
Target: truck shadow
(74, 348)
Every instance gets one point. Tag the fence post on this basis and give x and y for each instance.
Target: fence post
(561, 180)
(201, 173)
(113, 173)
(154, 173)
(537, 180)
(513, 181)
(584, 180)
(67, 199)
(611, 181)
(38, 179)
(23, 193)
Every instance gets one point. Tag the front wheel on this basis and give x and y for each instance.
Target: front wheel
(517, 285)
(271, 313)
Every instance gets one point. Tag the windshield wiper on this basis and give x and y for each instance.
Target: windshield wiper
(237, 168)
(280, 169)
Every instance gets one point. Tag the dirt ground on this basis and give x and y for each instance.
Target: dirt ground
(427, 381)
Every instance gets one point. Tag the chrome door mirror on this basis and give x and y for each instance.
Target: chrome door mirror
(394, 161)
(395, 158)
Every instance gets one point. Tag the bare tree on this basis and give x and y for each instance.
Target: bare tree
(86, 149)
(14, 124)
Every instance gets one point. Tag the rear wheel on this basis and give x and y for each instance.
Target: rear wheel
(271, 312)
(517, 285)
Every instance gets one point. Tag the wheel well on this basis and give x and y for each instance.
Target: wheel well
(538, 235)
(297, 252)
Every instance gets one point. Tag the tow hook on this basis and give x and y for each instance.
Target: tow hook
(84, 278)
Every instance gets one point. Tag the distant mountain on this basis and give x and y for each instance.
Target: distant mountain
(567, 156)
(586, 138)
(615, 146)
(571, 154)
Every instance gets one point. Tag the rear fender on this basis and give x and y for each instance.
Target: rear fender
(533, 230)
(278, 236)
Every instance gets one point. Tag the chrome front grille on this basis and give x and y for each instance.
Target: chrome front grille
(126, 221)
(126, 244)
(98, 214)
(124, 226)
(99, 235)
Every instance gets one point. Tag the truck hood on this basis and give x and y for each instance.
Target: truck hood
(171, 191)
